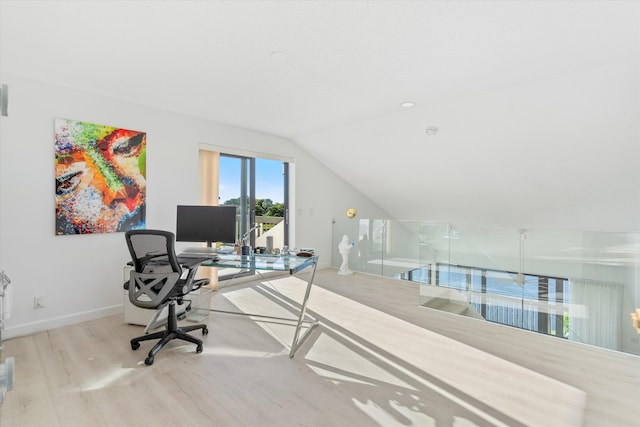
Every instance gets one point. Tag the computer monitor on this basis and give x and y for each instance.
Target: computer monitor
(206, 224)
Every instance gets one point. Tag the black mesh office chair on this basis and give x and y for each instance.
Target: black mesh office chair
(159, 279)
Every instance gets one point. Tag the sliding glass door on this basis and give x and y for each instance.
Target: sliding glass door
(237, 188)
(271, 204)
(258, 188)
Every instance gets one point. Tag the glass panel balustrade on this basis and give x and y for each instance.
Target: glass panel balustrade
(574, 285)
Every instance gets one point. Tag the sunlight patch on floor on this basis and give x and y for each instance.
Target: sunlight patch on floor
(414, 401)
(110, 378)
(336, 378)
(384, 418)
(250, 300)
(338, 362)
(465, 373)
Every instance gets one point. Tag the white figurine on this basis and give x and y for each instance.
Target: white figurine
(345, 249)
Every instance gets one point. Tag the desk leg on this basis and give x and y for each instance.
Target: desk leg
(297, 339)
(152, 322)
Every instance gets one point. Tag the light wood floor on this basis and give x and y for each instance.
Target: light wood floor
(375, 360)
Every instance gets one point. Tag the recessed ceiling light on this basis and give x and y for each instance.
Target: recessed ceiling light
(431, 130)
(408, 104)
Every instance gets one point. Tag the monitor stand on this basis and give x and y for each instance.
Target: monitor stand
(209, 249)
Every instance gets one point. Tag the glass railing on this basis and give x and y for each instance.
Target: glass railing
(574, 285)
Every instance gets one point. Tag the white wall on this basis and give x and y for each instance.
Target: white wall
(81, 276)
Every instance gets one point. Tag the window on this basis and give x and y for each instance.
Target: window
(257, 186)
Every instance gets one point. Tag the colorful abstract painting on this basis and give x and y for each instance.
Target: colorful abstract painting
(100, 178)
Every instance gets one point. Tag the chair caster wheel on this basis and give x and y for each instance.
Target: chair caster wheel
(135, 345)
(148, 361)
(205, 331)
(199, 349)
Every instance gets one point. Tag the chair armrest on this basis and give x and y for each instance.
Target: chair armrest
(197, 284)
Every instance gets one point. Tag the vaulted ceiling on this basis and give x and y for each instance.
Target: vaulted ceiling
(537, 103)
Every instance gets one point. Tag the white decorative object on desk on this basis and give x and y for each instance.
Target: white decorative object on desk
(345, 249)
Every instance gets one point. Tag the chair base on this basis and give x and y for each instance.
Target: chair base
(172, 332)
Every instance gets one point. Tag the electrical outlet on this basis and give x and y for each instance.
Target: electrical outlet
(38, 301)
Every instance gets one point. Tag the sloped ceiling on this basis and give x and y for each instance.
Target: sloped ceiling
(537, 103)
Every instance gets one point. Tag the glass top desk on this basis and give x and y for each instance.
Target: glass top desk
(284, 263)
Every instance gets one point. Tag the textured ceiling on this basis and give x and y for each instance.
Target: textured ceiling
(341, 71)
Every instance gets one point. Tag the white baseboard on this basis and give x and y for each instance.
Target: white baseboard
(56, 322)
